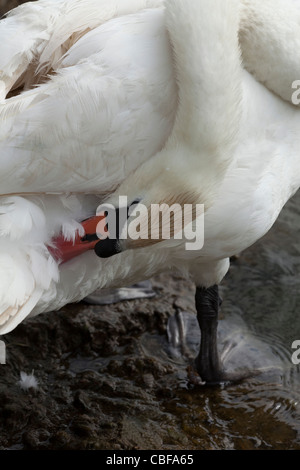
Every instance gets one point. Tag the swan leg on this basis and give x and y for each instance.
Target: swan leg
(208, 362)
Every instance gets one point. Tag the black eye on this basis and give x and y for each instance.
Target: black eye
(136, 201)
(131, 207)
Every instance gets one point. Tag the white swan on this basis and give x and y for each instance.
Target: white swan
(233, 146)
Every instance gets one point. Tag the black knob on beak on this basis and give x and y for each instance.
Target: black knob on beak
(107, 248)
(110, 246)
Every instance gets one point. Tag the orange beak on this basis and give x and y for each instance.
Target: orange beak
(64, 250)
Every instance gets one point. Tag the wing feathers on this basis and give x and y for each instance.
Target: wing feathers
(39, 34)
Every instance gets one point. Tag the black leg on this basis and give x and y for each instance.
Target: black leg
(208, 362)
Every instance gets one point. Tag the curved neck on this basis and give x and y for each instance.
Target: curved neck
(204, 37)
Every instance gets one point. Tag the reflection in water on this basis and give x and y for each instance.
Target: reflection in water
(267, 283)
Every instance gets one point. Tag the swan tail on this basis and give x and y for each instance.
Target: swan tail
(12, 316)
(18, 216)
(27, 268)
(26, 273)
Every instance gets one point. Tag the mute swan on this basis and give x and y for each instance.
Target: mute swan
(59, 164)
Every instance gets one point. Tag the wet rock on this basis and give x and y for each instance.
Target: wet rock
(149, 380)
(35, 439)
(82, 401)
(83, 426)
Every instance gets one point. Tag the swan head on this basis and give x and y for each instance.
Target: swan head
(163, 200)
(154, 204)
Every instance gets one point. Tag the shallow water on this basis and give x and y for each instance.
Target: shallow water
(261, 303)
(260, 322)
(263, 289)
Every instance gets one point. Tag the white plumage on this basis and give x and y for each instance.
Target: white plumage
(27, 381)
(109, 104)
